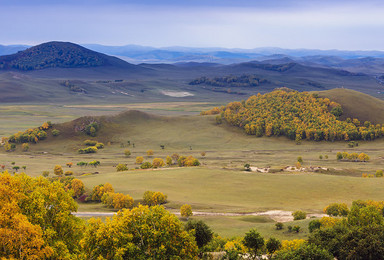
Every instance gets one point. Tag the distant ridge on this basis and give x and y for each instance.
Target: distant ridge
(58, 55)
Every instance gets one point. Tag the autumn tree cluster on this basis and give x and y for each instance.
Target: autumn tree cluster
(32, 135)
(353, 157)
(297, 115)
(37, 223)
(36, 220)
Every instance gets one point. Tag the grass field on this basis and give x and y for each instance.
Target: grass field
(219, 184)
(219, 190)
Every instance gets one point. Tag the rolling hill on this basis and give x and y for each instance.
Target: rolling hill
(58, 55)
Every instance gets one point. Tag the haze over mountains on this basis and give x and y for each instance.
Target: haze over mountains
(67, 72)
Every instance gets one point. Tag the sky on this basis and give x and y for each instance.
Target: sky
(247, 24)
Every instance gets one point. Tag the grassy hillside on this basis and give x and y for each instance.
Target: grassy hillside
(356, 104)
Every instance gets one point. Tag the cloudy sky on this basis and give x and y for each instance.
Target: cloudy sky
(315, 24)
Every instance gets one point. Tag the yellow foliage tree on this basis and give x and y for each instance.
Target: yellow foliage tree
(157, 162)
(186, 211)
(141, 233)
(139, 159)
(58, 170)
(121, 201)
(78, 187)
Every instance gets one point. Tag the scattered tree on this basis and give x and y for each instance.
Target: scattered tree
(186, 211)
(58, 170)
(279, 225)
(297, 215)
(157, 162)
(139, 159)
(121, 167)
(146, 165)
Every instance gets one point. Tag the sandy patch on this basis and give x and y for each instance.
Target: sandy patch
(176, 93)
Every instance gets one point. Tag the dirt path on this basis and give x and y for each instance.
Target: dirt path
(276, 215)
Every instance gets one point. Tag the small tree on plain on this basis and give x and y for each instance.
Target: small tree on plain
(186, 211)
(58, 170)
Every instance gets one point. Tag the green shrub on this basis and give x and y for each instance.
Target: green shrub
(146, 165)
(296, 229)
(279, 225)
(297, 215)
(379, 173)
(55, 132)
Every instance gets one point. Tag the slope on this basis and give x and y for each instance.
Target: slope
(356, 104)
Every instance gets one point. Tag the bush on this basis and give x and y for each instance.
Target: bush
(81, 164)
(45, 173)
(152, 198)
(187, 161)
(296, 229)
(320, 157)
(279, 225)
(99, 145)
(146, 165)
(337, 209)
(55, 132)
(289, 228)
(90, 142)
(90, 149)
(247, 167)
(121, 167)
(94, 163)
(58, 170)
(127, 153)
(92, 129)
(339, 156)
(139, 159)
(379, 173)
(297, 215)
(157, 162)
(150, 152)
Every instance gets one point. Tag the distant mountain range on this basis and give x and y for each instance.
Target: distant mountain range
(66, 72)
(143, 54)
